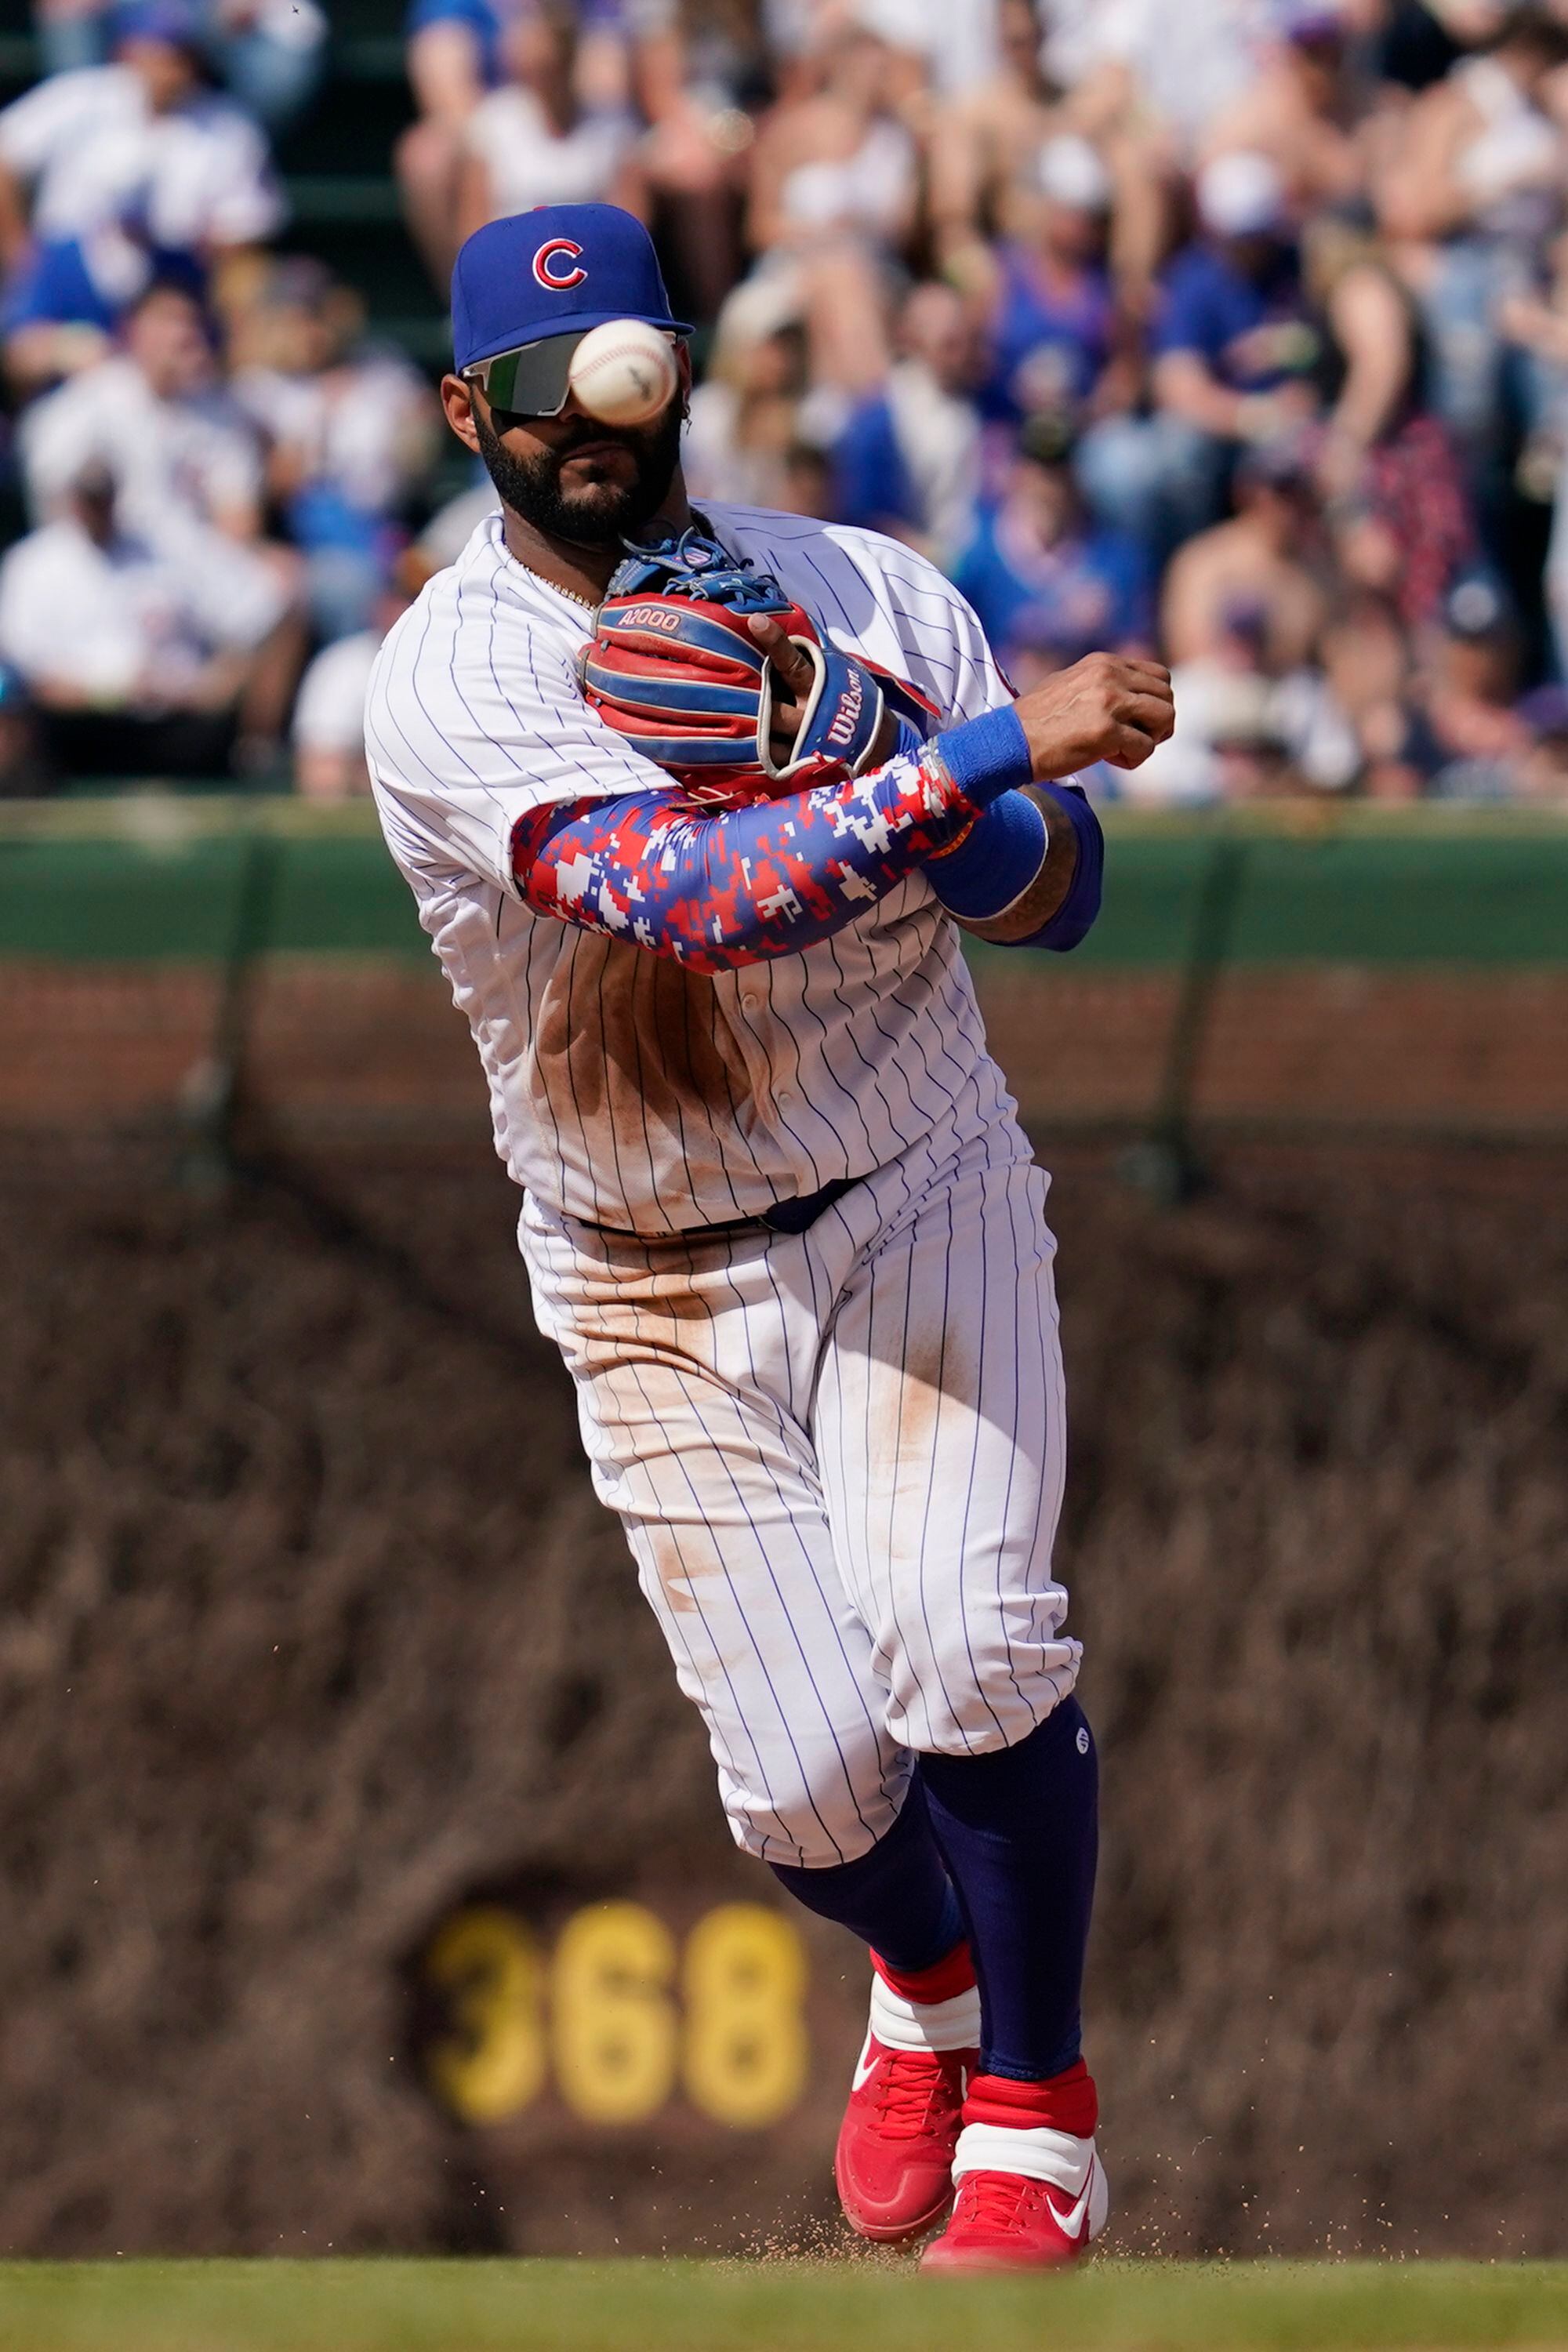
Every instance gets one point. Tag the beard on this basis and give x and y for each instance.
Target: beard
(601, 513)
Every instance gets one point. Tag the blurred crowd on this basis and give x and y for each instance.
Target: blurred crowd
(1235, 329)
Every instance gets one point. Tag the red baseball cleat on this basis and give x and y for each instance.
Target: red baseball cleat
(1031, 2194)
(1002, 2221)
(893, 2163)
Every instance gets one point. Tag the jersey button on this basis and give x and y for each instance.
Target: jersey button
(751, 1000)
(785, 1095)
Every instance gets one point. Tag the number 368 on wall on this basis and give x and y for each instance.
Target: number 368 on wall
(621, 2016)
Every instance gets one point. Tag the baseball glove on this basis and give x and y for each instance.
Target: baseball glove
(673, 666)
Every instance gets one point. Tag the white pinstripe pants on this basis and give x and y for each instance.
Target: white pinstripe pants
(839, 1457)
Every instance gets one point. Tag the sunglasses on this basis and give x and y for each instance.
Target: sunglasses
(531, 381)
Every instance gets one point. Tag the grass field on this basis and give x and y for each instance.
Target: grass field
(774, 2306)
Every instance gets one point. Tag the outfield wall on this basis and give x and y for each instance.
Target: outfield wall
(362, 1880)
(1366, 972)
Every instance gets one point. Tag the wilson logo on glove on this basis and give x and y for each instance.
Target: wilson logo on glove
(850, 705)
(674, 667)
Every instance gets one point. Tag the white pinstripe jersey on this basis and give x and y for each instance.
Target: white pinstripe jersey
(624, 1089)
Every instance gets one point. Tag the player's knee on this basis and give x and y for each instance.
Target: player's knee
(812, 1820)
(992, 1693)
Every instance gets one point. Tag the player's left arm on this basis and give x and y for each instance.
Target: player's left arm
(1027, 871)
(721, 886)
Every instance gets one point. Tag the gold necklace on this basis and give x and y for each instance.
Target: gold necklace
(589, 603)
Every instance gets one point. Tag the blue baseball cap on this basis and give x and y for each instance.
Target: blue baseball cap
(557, 270)
(174, 22)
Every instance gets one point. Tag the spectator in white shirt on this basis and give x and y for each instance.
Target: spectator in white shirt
(110, 175)
(746, 413)
(1249, 726)
(1175, 66)
(183, 451)
(835, 201)
(268, 53)
(133, 663)
(534, 141)
(959, 47)
(348, 428)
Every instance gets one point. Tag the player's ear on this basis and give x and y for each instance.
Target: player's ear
(457, 400)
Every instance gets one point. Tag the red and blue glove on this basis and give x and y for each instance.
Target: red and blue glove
(674, 667)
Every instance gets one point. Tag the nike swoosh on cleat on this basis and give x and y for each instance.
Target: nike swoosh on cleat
(1071, 2224)
(865, 2067)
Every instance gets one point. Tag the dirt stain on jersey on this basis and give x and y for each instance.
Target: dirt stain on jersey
(933, 1369)
(654, 1302)
(637, 1043)
(679, 1557)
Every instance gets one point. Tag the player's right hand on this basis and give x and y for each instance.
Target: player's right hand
(1106, 707)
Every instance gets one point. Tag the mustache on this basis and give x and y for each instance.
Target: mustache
(643, 440)
(592, 436)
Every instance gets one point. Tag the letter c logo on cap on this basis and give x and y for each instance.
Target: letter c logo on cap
(545, 269)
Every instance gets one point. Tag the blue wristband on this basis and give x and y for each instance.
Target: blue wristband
(987, 756)
(997, 858)
(1000, 855)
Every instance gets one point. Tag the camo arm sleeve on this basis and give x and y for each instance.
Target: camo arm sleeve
(719, 888)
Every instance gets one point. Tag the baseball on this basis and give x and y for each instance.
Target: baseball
(623, 372)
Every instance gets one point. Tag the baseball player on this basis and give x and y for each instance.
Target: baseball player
(693, 829)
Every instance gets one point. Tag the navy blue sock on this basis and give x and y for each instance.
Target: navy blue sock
(1018, 1831)
(898, 1897)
